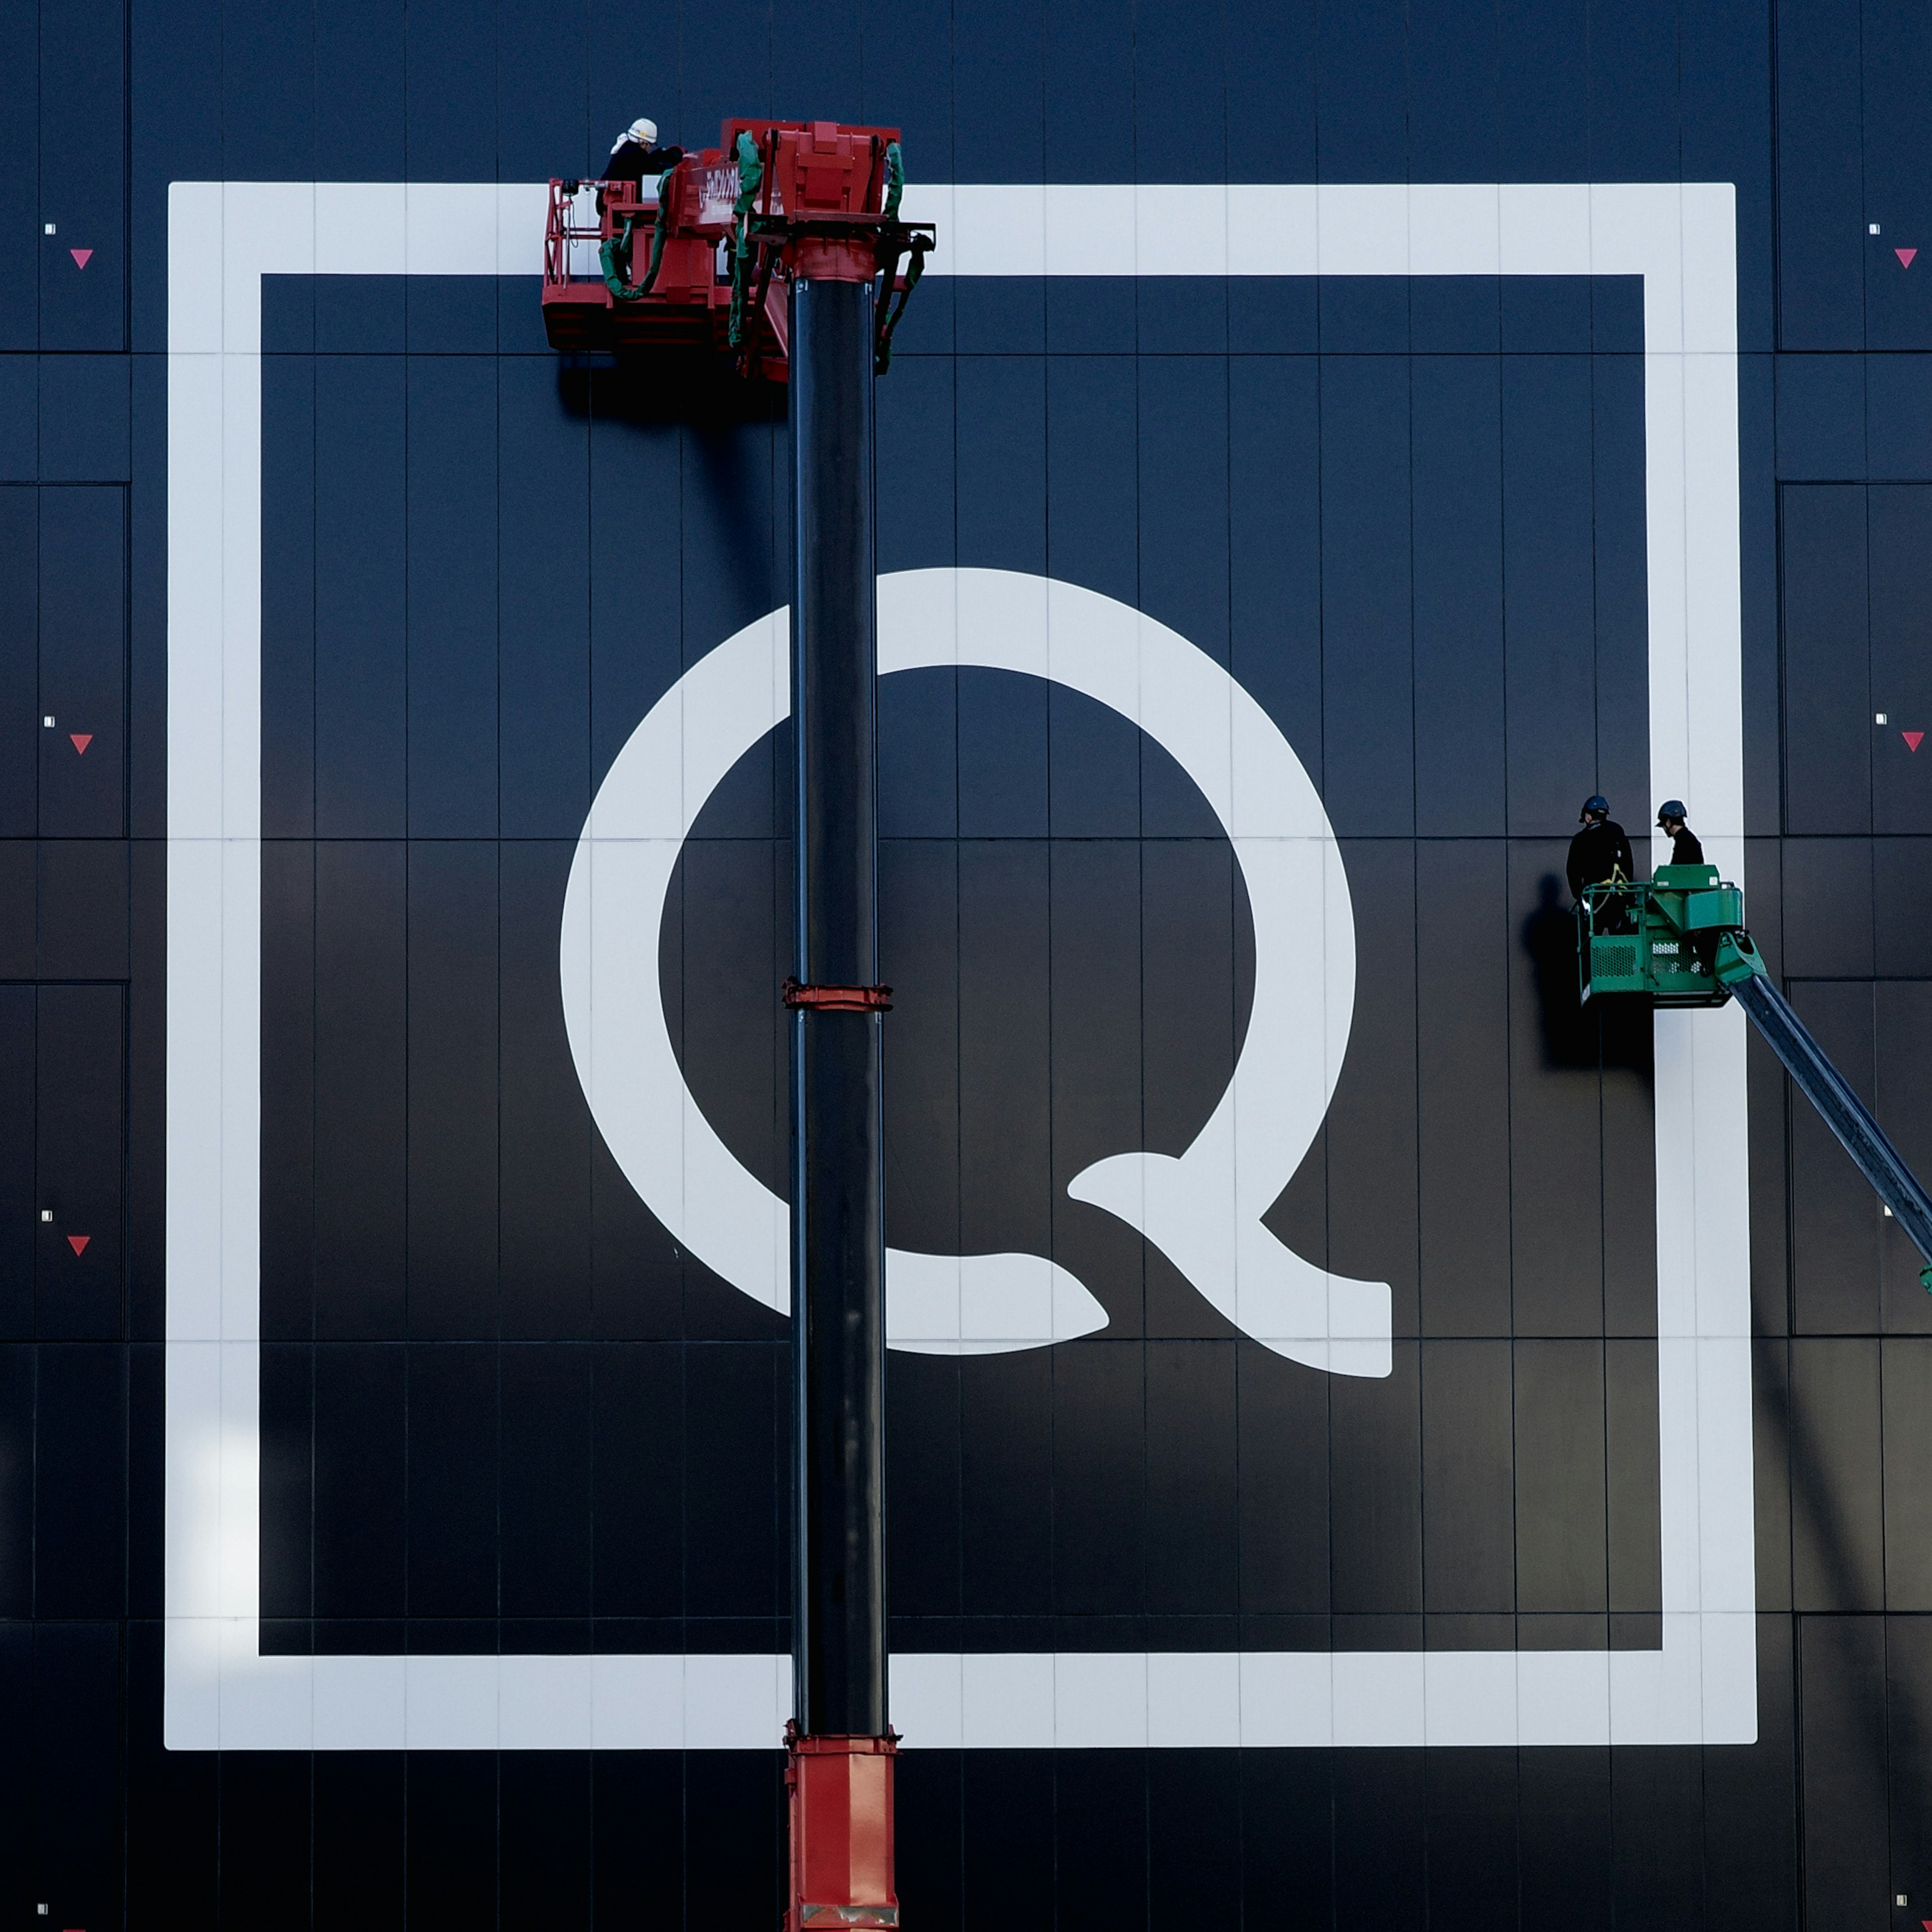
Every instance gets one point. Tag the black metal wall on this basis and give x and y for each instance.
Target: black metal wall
(501, 1412)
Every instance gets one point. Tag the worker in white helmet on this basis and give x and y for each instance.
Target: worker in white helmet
(635, 155)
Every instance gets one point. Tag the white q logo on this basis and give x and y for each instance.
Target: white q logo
(1203, 1210)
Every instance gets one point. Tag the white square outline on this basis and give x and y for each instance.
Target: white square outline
(221, 1694)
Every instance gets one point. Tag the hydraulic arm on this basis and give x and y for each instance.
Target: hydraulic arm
(1681, 938)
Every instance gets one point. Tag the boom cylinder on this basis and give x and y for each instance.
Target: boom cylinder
(839, 1770)
(838, 1230)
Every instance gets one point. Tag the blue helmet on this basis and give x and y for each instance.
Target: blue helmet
(1671, 807)
(1596, 801)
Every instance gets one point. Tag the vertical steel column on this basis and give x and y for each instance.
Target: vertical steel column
(838, 1327)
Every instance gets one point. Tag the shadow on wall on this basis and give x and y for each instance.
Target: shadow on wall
(692, 388)
(1608, 1035)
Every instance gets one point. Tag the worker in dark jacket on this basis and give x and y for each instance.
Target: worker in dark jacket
(635, 153)
(1600, 850)
(1684, 849)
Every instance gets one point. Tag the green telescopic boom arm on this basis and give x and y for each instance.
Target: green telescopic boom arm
(1738, 967)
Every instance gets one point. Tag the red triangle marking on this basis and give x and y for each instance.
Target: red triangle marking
(81, 739)
(81, 256)
(1905, 255)
(1911, 738)
(77, 1242)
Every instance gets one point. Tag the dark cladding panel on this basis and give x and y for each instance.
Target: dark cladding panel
(1282, 1419)
(83, 175)
(545, 1136)
(1458, 544)
(453, 1021)
(361, 1500)
(83, 662)
(287, 1572)
(1183, 447)
(1622, 590)
(19, 1365)
(1900, 524)
(1094, 496)
(21, 222)
(925, 1453)
(1452, 83)
(1193, 1521)
(453, 1512)
(1007, 1198)
(545, 1514)
(1474, 1838)
(918, 958)
(80, 1483)
(1371, 1131)
(1834, 1215)
(1908, 1659)
(20, 712)
(1100, 1523)
(288, 588)
(452, 672)
(1828, 709)
(1841, 1681)
(362, 596)
(288, 1079)
(265, 1838)
(1274, 510)
(80, 1084)
(1630, 1449)
(917, 472)
(1564, 1841)
(1837, 1537)
(20, 1180)
(1469, 1563)
(1657, 1828)
(1007, 1512)
(358, 1825)
(1556, 1173)
(637, 1459)
(1562, 1530)
(1894, 43)
(1821, 246)
(1099, 1040)
(737, 1400)
(361, 1026)
(661, 590)
(1902, 907)
(358, 58)
(1549, 586)
(1380, 1815)
(1368, 716)
(1461, 1101)
(544, 639)
(1374, 1492)
(1545, 121)
(450, 1823)
(1902, 1029)
(1905, 1366)
(78, 1825)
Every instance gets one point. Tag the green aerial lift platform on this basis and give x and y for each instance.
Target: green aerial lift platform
(1680, 938)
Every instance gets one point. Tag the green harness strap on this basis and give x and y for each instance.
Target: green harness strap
(614, 257)
(751, 177)
(889, 319)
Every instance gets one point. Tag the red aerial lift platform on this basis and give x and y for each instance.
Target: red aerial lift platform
(701, 258)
